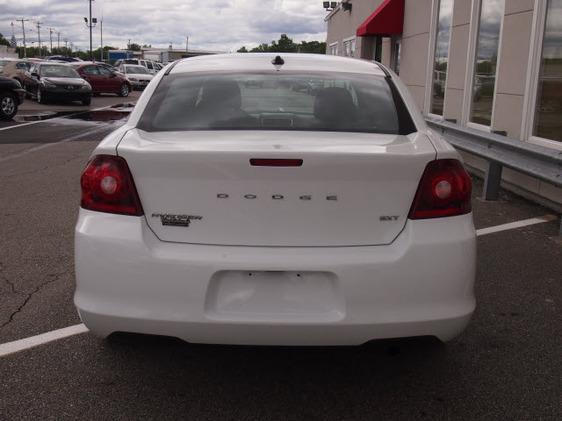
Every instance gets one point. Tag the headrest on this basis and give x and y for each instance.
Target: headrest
(219, 94)
(334, 106)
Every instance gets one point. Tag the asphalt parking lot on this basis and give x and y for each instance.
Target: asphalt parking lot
(507, 365)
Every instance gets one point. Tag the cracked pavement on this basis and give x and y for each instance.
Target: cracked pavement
(39, 199)
(505, 366)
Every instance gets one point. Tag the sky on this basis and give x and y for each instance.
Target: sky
(218, 25)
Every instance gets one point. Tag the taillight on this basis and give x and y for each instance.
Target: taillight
(107, 186)
(444, 190)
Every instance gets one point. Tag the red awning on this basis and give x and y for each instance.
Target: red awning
(387, 20)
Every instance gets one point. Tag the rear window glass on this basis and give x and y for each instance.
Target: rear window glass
(272, 101)
(53, 70)
(136, 70)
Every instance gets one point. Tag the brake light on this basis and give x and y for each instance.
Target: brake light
(275, 162)
(444, 190)
(107, 186)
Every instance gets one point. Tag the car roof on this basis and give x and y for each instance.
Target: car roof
(53, 63)
(263, 62)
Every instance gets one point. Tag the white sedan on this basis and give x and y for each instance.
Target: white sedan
(139, 76)
(275, 200)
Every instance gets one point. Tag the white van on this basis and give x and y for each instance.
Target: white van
(150, 65)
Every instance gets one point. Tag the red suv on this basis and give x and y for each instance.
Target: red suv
(103, 80)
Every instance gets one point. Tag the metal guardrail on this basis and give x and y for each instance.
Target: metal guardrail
(534, 160)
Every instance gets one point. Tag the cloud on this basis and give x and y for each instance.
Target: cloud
(221, 25)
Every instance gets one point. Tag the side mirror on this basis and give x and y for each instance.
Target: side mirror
(112, 74)
(35, 75)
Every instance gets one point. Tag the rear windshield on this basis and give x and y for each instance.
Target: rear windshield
(273, 101)
(136, 69)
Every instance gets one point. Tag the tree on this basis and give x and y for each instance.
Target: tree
(314, 47)
(4, 41)
(286, 45)
(262, 48)
(134, 47)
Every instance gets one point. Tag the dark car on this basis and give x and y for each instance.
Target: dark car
(11, 96)
(64, 58)
(103, 80)
(57, 81)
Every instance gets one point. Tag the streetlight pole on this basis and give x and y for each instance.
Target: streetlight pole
(90, 23)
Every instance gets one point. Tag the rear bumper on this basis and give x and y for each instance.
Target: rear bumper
(421, 284)
(139, 84)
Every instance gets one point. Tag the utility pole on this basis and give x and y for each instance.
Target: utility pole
(186, 44)
(51, 39)
(39, 37)
(58, 40)
(22, 20)
(101, 38)
(90, 2)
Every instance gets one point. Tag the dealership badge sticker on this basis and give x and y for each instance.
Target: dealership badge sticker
(173, 220)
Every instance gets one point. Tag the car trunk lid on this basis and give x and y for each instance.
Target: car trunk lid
(202, 187)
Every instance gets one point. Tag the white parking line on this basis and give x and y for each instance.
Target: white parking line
(48, 119)
(15, 126)
(80, 135)
(33, 341)
(517, 224)
(27, 343)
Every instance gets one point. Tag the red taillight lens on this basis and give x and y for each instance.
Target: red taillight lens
(107, 186)
(270, 162)
(444, 190)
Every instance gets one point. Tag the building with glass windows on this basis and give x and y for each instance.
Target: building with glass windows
(493, 65)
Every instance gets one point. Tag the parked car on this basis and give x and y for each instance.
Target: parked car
(4, 62)
(138, 76)
(107, 66)
(148, 64)
(11, 97)
(219, 214)
(57, 81)
(18, 70)
(103, 80)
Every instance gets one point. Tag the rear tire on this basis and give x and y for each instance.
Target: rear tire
(124, 90)
(8, 106)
